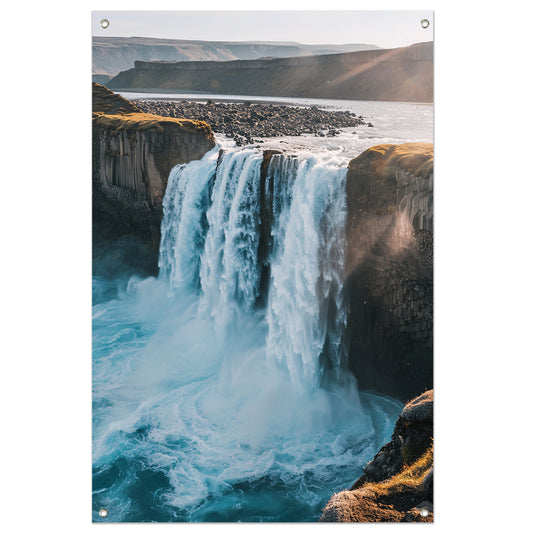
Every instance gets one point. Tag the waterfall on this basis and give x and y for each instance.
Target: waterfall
(307, 266)
(220, 389)
(183, 226)
(229, 272)
(267, 238)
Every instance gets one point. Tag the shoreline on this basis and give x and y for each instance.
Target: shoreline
(247, 121)
(237, 98)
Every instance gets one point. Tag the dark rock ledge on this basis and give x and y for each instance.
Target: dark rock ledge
(389, 268)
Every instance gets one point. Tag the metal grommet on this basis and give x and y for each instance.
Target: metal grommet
(102, 513)
(424, 512)
(104, 23)
(424, 23)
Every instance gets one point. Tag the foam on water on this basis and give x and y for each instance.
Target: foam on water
(307, 266)
(220, 392)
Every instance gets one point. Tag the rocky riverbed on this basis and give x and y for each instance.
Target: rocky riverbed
(244, 122)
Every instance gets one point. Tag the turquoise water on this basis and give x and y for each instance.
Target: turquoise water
(190, 429)
(219, 389)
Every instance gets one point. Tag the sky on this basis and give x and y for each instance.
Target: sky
(387, 29)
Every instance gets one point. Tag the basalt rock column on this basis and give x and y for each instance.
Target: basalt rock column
(389, 268)
(133, 153)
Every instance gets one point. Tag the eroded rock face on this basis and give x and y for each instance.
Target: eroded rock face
(137, 151)
(397, 485)
(412, 436)
(133, 153)
(389, 268)
(398, 74)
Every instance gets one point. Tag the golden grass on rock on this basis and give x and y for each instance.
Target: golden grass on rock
(106, 101)
(385, 159)
(410, 478)
(145, 121)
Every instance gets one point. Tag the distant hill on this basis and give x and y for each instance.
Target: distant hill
(399, 74)
(112, 55)
(106, 101)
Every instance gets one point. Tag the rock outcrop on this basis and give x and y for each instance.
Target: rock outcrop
(399, 74)
(397, 485)
(108, 103)
(133, 153)
(389, 268)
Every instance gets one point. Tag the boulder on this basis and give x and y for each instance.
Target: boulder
(412, 436)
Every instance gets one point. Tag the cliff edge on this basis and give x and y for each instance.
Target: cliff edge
(398, 74)
(114, 54)
(389, 268)
(397, 485)
(133, 153)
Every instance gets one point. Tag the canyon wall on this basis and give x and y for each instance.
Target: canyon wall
(389, 235)
(114, 54)
(389, 268)
(399, 74)
(133, 153)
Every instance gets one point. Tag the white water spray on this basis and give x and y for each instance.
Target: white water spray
(210, 240)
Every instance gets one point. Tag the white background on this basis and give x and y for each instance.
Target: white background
(483, 241)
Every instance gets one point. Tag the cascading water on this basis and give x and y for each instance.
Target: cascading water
(214, 246)
(220, 389)
(183, 225)
(229, 271)
(307, 266)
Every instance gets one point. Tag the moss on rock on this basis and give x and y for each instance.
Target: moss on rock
(394, 487)
(144, 121)
(106, 101)
(372, 176)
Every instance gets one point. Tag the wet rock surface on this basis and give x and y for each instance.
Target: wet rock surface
(244, 122)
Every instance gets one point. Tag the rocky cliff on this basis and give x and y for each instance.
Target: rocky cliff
(389, 234)
(389, 268)
(399, 74)
(114, 54)
(133, 153)
(397, 485)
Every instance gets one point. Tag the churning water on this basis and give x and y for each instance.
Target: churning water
(220, 389)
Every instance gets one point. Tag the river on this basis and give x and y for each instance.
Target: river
(220, 388)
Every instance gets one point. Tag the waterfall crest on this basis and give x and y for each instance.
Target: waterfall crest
(251, 237)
